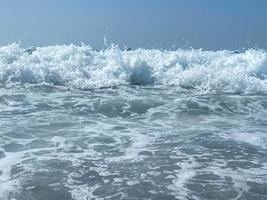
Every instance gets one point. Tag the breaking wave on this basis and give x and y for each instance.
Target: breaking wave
(84, 68)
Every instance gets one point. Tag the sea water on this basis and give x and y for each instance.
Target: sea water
(81, 124)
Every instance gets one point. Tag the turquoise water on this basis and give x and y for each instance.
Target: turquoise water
(145, 124)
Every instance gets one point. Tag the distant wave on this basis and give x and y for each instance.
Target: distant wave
(81, 67)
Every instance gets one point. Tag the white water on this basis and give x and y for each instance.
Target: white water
(185, 133)
(81, 67)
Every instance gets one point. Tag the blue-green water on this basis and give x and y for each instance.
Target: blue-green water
(173, 125)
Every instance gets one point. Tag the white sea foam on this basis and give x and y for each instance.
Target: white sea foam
(7, 185)
(81, 67)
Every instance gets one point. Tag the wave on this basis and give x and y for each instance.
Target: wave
(84, 68)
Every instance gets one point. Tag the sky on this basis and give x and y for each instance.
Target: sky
(167, 24)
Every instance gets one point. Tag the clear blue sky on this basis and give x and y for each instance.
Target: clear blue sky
(207, 24)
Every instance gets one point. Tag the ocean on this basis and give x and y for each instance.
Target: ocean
(81, 124)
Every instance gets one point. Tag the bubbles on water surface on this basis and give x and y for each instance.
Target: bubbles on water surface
(178, 124)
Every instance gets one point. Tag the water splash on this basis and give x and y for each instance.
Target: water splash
(84, 68)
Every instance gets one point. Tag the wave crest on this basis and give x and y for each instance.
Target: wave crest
(82, 67)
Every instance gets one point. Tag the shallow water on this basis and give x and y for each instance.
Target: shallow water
(135, 135)
(131, 143)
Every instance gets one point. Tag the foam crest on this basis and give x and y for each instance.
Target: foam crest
(84, 68)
